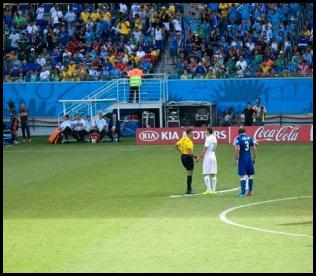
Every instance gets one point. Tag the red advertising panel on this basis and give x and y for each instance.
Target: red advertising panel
(279, 134)
(160, 136)
(225, 135)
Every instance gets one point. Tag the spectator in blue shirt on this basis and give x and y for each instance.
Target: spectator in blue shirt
(193, 25)
(213, 7)
(75, 7)
(245, 12)
(26, 67)
(280, 37)
(89, 36)
(7, 19)
(275, 19)
(256, 13)
(233, 14)
(37, 67)
(108, 65)
(295, 7)
(200, 69)
(63, 36)
(308, 57)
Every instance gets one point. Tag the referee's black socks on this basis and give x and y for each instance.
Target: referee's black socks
(189, 183)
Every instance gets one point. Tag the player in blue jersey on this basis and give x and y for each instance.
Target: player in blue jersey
(243, 146)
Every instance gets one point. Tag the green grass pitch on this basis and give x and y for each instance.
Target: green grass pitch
(107, 208)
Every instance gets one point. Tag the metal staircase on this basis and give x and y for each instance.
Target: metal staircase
(114, 95)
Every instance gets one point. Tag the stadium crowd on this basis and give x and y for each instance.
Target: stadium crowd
(79, 42)
(228, 40)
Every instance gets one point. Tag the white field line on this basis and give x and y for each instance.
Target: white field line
(223, 217)
(221, 191)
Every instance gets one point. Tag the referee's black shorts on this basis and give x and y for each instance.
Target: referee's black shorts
(187, 162)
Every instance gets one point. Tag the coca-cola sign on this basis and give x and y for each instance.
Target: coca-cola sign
(263, 134)
(285, 133)
(279, 134)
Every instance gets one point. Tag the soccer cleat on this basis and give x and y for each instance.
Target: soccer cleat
(30, 140)
(207, 193)
(15, 142)
(190, 192)
(250, 194)
(241, 194)
(24, 141)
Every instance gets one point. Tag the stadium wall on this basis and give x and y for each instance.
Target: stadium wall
(280, 96)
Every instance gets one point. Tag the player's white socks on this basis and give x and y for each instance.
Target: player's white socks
(214, 179)
(207, 182)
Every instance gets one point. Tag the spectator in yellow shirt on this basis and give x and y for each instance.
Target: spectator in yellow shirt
(138, 22)
(71, 68)
(95, 15)
(224, 9)
(113, 59)
(152, 15)
(172, 9)
(85, 15)
(106, 16)
(124, 27)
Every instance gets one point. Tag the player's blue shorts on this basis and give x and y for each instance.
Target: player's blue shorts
(245, 166)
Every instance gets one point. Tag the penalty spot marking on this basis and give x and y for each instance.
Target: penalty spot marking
(217, 192)
(223, 217)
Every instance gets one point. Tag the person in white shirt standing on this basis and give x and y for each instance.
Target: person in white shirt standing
(56, 16)
(102, 126)
(78, 125)
(209, 162)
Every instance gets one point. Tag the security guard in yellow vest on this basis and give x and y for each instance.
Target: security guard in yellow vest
(135, 81)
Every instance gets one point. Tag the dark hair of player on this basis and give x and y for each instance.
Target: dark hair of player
(188, 131)
(210, 130)
(241, 130)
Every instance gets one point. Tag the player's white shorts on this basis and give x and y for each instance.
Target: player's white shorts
(209, 165)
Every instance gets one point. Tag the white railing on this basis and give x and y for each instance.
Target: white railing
(153, 89)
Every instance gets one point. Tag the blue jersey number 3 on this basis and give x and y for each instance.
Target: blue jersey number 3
(246, 145)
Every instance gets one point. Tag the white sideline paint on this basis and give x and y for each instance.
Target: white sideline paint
(221, 191)
(223, 217)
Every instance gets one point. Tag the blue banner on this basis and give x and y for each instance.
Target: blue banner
(41, 98)
(280, 96)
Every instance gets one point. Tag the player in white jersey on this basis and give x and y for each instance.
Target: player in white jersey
(209, 162)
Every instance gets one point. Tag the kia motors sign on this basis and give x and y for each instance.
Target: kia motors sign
(225, 135)
(159, 136)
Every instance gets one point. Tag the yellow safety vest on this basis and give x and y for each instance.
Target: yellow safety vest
(135, 81)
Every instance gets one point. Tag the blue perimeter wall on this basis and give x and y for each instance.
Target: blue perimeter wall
(280, 96)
